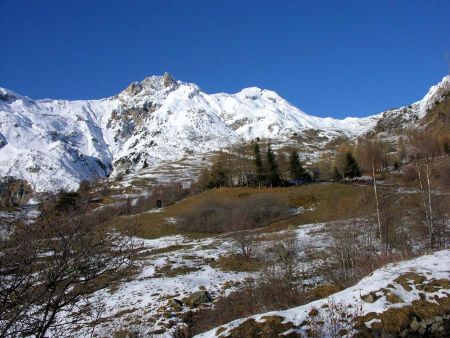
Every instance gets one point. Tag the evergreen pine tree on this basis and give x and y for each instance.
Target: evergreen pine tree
(351, 169)
(273, 176)
(296, 166)
(260, 174)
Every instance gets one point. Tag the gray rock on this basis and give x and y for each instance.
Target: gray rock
(197, 298)
(434, 327)
(368, 298)
(414, 325)
(167, 80)
(176, 305)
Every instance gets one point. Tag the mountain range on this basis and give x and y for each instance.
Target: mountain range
(55, 144)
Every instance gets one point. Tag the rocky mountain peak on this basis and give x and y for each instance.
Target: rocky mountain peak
(168, 80)
(151, 85)
(7, 95)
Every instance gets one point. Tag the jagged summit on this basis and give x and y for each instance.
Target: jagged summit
(168, 80)
(9, 95)
(55, 144)
(152, 83)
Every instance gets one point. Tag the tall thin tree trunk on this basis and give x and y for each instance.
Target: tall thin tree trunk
(428, 168)
(376, 198)
(426, 208)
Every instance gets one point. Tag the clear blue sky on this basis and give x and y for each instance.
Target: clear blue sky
(330, 58)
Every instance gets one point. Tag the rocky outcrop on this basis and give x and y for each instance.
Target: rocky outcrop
(3, 141)
(14, 192)
(167, 80)
(197, 298)
(435, 326)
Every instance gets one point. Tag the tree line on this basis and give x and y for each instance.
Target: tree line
(259, 166)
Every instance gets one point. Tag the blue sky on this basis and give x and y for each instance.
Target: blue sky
(330, 58)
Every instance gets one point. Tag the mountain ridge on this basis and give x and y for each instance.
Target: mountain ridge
(55, 144)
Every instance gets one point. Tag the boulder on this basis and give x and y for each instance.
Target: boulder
(197, 298)
(414, 325)
(176, 304)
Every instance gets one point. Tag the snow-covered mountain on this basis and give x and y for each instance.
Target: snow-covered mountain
(55, 144)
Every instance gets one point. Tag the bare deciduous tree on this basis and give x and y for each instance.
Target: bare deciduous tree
(372, 156)
(425, 148)
(51, 267)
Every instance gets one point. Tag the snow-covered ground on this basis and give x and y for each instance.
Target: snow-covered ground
(148, 293)
(146, 296)
(367, 296)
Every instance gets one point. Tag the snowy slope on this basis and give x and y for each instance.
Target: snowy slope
(354, 300)
(255, 112)
(55, 144)
(52, 144)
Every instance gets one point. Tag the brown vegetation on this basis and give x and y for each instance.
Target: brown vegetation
(55, 263)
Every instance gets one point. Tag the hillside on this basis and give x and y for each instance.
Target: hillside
(55, 144)
(411, 298)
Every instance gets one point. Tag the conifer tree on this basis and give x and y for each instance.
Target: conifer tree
(296, 166)
(351, 169)
(273, 176)
(260, 172)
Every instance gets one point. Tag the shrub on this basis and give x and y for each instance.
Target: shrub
(217, 215)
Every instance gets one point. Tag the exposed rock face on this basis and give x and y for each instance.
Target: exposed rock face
(167, 80)
(133, 88)
(3, 141)
(397, 120)
(14, 192)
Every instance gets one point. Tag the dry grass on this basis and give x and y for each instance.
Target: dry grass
(323, 291)
(408, 279)
(394, 320)
(325, 202)
(322, 202)
(169, 271)
(271, 326)
(237, 263)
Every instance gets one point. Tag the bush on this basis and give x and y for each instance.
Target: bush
(53, 264)
(409, 174)
(256, 296)
(217, 215)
